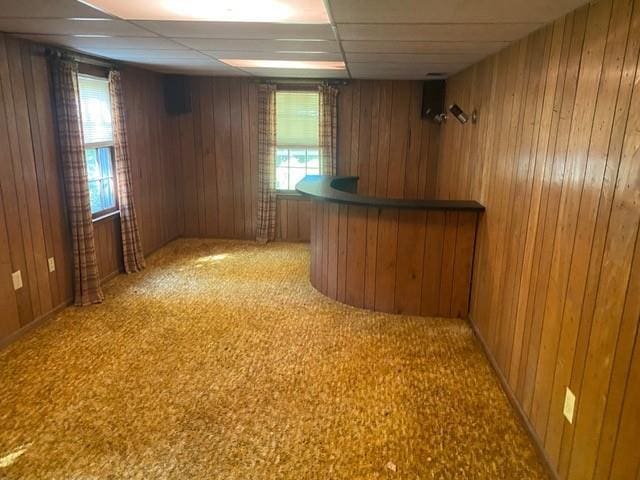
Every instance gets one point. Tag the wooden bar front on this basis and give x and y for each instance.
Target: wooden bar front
(414, 262)
(390, 255)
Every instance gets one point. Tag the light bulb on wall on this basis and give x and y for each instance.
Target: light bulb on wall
(458, 113)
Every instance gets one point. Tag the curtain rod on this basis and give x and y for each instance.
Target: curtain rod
(56, 52)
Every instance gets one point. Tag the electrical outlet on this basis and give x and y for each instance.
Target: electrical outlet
(52, 264)
(17, 280)
(569, 404)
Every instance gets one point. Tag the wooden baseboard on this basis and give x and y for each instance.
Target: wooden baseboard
(110, 276)
(22, 331)
(542, 454)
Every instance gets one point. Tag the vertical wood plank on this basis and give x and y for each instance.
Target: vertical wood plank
(410, 259)
(356, 254)
(387, 248)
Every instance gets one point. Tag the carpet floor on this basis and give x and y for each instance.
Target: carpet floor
(220, 361)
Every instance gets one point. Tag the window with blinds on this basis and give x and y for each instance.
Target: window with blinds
(297, 152)
(95, 107)
(95, 111)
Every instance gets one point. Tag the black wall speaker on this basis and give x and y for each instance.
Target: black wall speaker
(177, 94)
(433, 92)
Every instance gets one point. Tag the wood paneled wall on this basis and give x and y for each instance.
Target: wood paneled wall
(108, 246)
(218, 148)
(383, 139)
(293, 222)
(394, 260)
(154, 152)
(555, 158)
(33, 223)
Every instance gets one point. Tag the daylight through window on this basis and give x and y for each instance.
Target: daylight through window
(95, 107)
(297, 152)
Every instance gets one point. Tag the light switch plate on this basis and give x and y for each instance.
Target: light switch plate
(569, 404)
(17, 280)
(52, 264)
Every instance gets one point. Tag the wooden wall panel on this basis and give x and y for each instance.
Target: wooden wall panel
(217, 152)
(33, 223)
(108, 246)
(385, 259)
(381, 138)
(554, 158)
(293, 221)
(154, 152)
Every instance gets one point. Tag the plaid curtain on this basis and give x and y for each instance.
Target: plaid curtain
(131, 244)
(85, 273)
(328, 129)
(266, 221)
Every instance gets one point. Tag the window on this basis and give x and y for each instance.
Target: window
(95, 109)
(297, 152)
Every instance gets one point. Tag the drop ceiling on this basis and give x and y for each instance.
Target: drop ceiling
(393, 39)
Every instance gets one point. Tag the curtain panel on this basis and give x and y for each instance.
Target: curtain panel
(266, 217)
(131, 244)
(85, 273)
(328, 129)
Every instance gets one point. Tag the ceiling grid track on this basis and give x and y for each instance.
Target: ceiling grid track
(336, 34)
(304, 39)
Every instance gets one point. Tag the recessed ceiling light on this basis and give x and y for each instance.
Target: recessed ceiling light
(275, 11)
(296, 64)
(78, 35)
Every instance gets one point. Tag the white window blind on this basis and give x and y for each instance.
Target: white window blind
(95, 108)
(296, 119)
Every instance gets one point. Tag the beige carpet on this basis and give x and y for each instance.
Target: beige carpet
(220, 361)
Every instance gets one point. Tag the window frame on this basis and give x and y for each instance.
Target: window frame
(294, 89)
(106, 212)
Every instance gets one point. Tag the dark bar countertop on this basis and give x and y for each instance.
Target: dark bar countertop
(343, 190)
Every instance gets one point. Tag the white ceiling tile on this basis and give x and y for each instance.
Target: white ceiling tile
(131, 54)
(331, 57)
(479, 32)
(382, 39)
(451, 11)
(408, 71)
(281, 11)
(295, 73)
(48, 9)
(81, 43)
(372, 46)
(413, 57)
(202, 70)
(60, 26)
(238, 30)
(258, 45)
(204, 62)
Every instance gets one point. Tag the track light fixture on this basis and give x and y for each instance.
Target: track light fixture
(458, 113)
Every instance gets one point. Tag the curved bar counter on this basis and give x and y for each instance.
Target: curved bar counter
(390, 255)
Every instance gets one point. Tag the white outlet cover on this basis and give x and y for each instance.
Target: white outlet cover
(569, 404)
(52, 264)
(17, 280)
